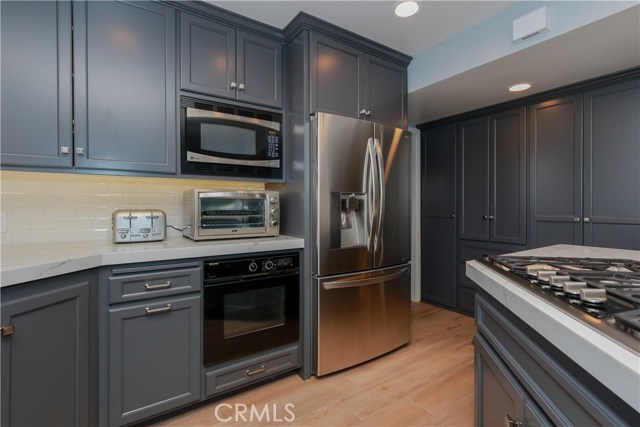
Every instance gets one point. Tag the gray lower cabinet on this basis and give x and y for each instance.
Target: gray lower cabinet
(47, 352)
(584, 180)
(350, 82)
(522, 376)
(124, 88)
(218, 60)
(154, 358)
(150, 339)
(36, 83)
(438, 215)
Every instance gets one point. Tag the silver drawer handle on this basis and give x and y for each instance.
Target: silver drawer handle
(256, 372)
(158, 310)
(158, 286)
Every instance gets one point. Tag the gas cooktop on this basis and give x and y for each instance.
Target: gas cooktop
(606, 289)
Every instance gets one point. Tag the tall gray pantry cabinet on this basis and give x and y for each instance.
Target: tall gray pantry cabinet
(49, 352)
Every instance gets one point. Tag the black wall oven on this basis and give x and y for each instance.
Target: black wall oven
(227, 140)
(250, 305)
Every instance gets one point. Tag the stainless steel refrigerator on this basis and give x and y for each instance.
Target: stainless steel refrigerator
(361, 240)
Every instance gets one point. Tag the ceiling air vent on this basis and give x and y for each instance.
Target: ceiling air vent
(531, 24)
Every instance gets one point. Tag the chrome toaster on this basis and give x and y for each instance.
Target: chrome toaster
(139, 225)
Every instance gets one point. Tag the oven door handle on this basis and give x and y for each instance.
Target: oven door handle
(342, 284)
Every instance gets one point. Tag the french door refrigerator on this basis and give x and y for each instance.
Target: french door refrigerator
(361, 240)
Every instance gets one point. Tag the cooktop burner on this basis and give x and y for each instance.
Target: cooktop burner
(607, 289)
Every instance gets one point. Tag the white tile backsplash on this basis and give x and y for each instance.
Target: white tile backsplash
(58, 208)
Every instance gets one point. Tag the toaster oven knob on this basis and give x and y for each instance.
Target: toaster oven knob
(274, 211)
(274, 223)
(273, 200)
(253, 267)
(268, 265)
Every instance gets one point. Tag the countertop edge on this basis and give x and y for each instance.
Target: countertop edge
(588, 348)
(49, 261)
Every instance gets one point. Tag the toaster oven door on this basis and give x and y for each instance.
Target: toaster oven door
(228, 214)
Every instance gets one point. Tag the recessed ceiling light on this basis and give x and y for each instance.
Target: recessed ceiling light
(406, 8)
(519, 87)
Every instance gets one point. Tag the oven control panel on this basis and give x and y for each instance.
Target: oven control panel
(225, 268)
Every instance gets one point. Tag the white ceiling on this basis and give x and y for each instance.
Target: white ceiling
(435, 21)
(604, 46)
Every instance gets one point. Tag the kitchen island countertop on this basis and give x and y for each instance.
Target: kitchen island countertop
(20, 264)
(615, 366)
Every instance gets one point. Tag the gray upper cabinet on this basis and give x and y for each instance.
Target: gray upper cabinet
(337, 84)
(125, 93)
(492, 175)
(611, 172)
(218, 60)
(350, 82)
(555, 172)
(36, 83)
(46, 372)
(385, 91)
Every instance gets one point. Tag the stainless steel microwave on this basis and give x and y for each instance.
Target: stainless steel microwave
(225, 214)
(230, 141)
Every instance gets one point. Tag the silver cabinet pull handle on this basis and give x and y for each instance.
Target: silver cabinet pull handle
(241, 86)
(368, 113)
(64, 150)
(453, 216)
(576, 219)
(234, 85)
(491, 217)
(363, 112)
(166, 308)
(485, 216)
(158, 286)
(587, 220)
(80, 151)
(256, 372)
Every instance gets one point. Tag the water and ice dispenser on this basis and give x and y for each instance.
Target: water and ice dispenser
(348, 211)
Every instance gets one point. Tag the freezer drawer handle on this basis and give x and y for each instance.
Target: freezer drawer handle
(363, 282)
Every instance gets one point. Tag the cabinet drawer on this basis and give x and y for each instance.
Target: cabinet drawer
(133, 287)
(250, 371)
(466, 299)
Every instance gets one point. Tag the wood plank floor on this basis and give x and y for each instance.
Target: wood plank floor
(426, 383)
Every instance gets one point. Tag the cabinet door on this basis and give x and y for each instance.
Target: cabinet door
(207, 56)
(555, 172)
(473, 179)
(125, 107)
(611, 172)
(438, 211)
(259, 70)
(36, 83)
(499, 397)
(154, 358)
(507, 178)
(45, 363)
(336, 77)
(385, 88)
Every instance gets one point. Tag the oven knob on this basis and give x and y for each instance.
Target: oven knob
(274, 223)
(268, 265)
(273, 200)
(253, 267)
(123, 236)
(274, 212)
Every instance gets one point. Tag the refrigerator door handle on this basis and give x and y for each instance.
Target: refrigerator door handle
(342, 284)
(381, 201)
(369, 182)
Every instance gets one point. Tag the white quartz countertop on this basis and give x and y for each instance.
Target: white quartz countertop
(19, 264)
(615, 366)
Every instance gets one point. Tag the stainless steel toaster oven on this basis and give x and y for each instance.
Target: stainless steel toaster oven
(225, 214)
